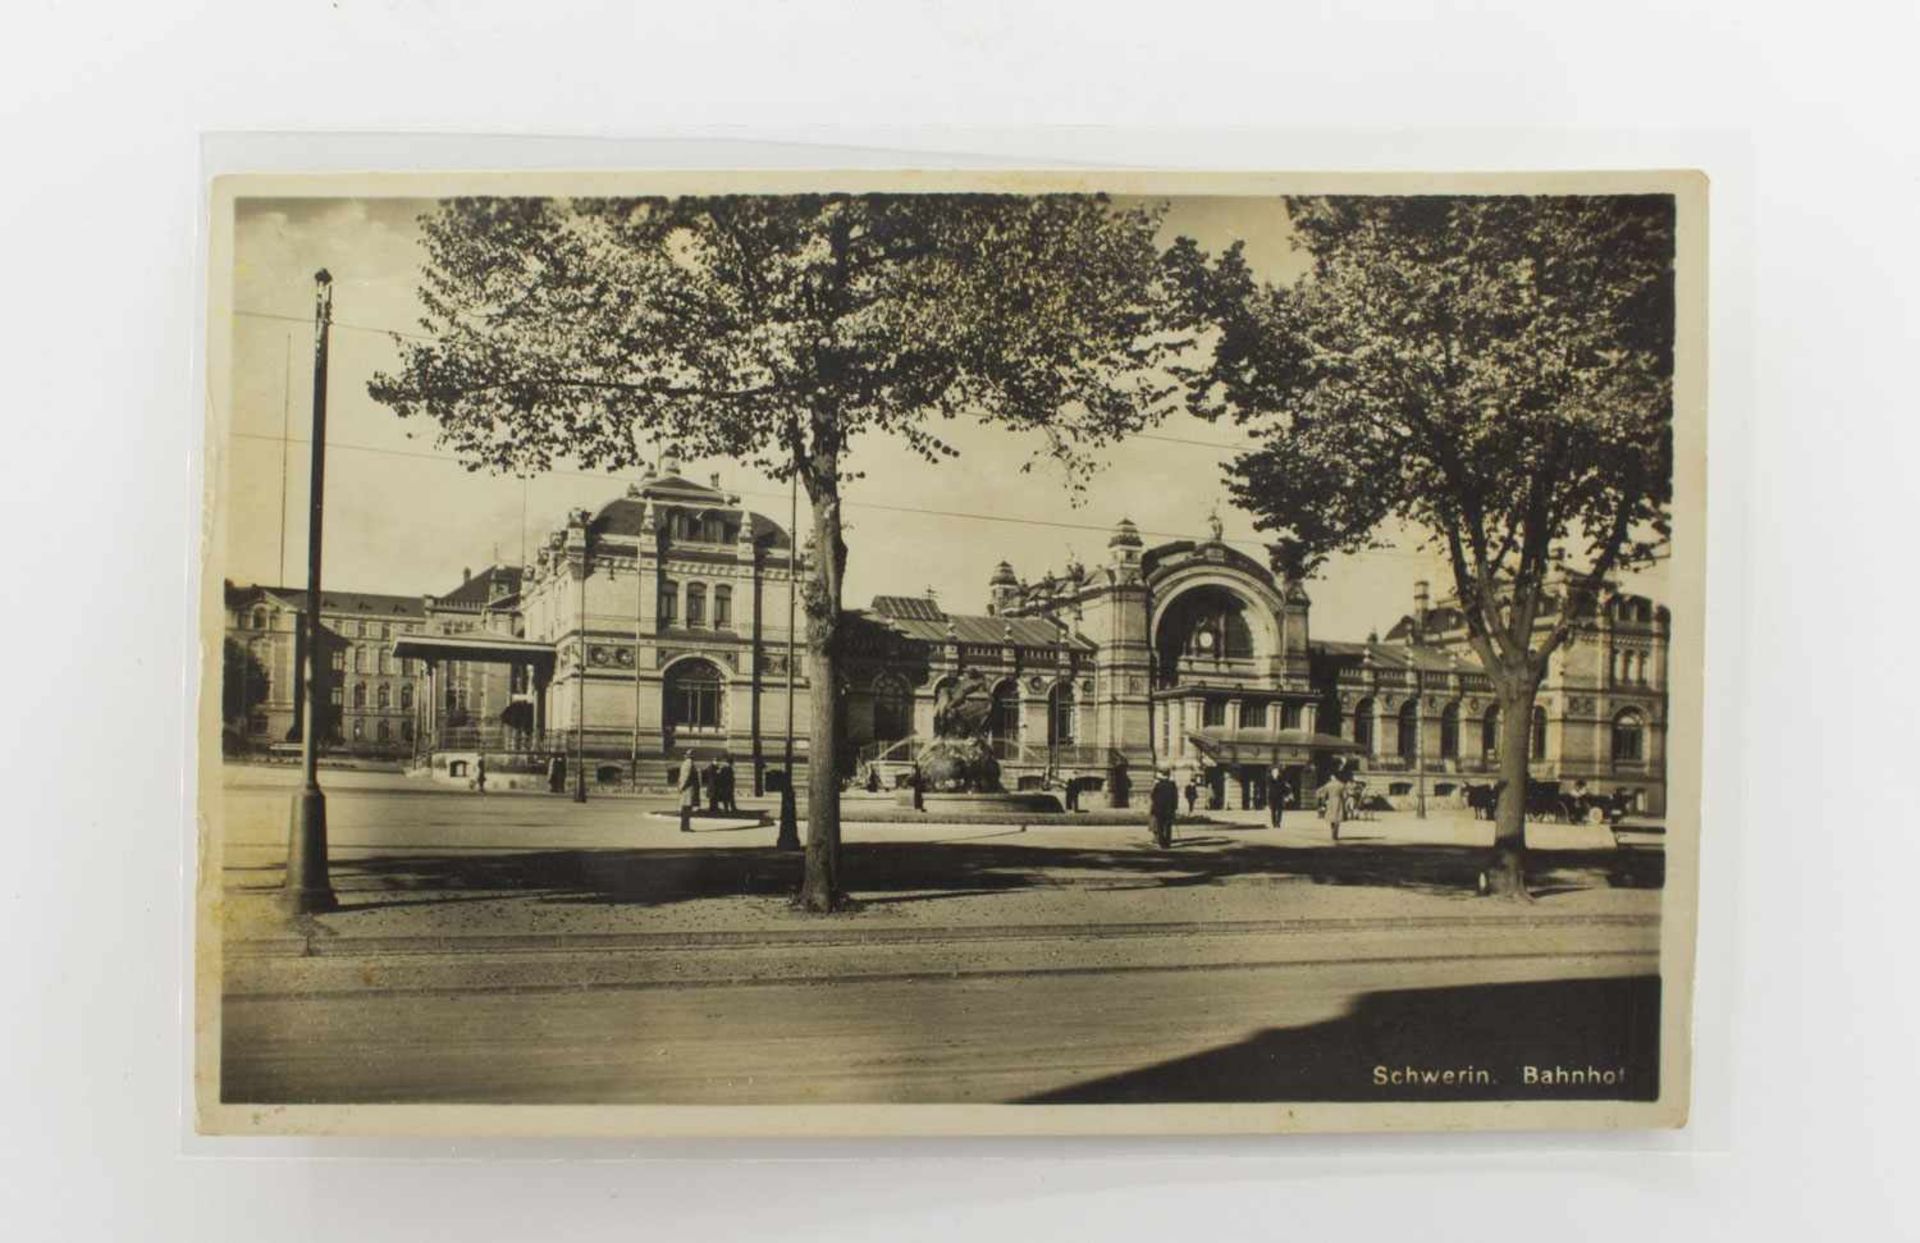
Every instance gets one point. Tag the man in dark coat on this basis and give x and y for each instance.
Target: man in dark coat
(710, 782)
(1163, 804)
(1278, 792)
(726, 785)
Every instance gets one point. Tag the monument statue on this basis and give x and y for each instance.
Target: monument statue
(959, 759)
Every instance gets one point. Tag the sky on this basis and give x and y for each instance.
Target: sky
(405, 518)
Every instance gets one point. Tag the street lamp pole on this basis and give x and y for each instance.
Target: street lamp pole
(307, 888)
(788, 837)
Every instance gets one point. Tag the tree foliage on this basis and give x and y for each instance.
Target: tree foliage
(1495, 372)
(244, 683)
(775, 330)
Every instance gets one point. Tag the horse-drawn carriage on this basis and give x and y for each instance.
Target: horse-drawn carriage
(1547, 801)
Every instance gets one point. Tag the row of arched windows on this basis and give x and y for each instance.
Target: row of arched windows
(1627, 741)
(697, 599)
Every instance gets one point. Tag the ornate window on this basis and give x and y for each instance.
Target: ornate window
(1450, 732)
(669, 604)
(1213, 712)
(696, 604)
(359, 729)
(1629, 736)
(1290, 715)
(1537, 729)
(406, 731)
(1490, 732)
(259, 619)
(1363, 726)
(1060, 714)
(1253, 714)
(359, 694)
(384, 697)
(694, 695)
(723, 608)
(1005, 721)
(383, 731)
(406, 696)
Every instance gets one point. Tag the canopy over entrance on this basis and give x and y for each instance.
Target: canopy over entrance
(476, 645)
(1234, 747)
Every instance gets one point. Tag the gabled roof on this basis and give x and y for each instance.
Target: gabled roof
(367, 602)
(1399, 656)
(908, 608)
(916, 617)
(478, 590)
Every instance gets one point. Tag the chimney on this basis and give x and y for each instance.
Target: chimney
(1419, 610)
(714, 479)
(466, 575)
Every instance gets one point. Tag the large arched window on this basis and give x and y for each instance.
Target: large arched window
(1408, 742)
(1490, 732)
(694, 696)
(1629, 737)
(1537, 747)
(723, 607)
(696, 604)
(384, 697)
(384, 730)
(1060, 714)
(1004, 724)
(1363, 726)
(1450, 732)
(359, 694)
(406, 696)
(1205, 624)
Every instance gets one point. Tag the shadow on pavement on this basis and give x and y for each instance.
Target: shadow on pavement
(1577, 1026)
(881, 872)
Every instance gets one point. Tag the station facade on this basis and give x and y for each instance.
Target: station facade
(660, 624)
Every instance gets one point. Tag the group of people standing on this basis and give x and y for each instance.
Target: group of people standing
(715, 781)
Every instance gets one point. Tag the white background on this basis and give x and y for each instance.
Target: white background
(1806, 1025)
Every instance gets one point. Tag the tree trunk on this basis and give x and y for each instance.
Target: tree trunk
(1507, 869)
(820, 889)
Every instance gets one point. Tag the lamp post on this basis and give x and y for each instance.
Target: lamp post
(788, 837)
(307, 888)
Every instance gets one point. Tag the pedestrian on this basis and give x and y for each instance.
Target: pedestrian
(919, 785)
(1193, 793)
(480, 774)
(1073, 794)
(710, 782)
(1278, 792)
(1334, 796)
(556, 774)
(1163, 803)
(689, 785)
(726, 784)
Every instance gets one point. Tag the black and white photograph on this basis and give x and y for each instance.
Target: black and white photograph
(950, 653)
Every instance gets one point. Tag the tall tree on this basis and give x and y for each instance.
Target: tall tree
(775, 330)
(1494, 372)
(244, 683)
